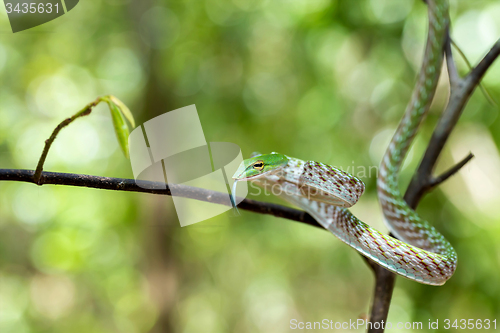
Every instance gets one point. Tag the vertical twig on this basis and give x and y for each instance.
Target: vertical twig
(48, 143)
(453, 76)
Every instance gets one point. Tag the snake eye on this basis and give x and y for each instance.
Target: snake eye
(259, 165)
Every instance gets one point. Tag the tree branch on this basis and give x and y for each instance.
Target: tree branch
(420, 184)
(129, 185)
(382, 296)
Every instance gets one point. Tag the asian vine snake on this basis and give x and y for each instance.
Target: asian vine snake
(422, 253)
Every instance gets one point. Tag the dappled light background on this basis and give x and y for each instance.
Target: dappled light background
(323, 80)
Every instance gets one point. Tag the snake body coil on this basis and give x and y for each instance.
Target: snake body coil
(421, 253)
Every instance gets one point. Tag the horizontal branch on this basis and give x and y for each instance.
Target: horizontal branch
(129, 185)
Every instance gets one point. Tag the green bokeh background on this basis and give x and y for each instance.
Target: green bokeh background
(323, 80)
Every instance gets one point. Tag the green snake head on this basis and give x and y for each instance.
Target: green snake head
(255, 167)
(259, 165)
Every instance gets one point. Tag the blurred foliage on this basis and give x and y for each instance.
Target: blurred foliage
(323, 80)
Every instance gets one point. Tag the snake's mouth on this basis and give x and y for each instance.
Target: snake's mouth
(246, 178)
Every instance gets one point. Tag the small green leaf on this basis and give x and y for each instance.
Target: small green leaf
(121, 128)
(124, 109)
